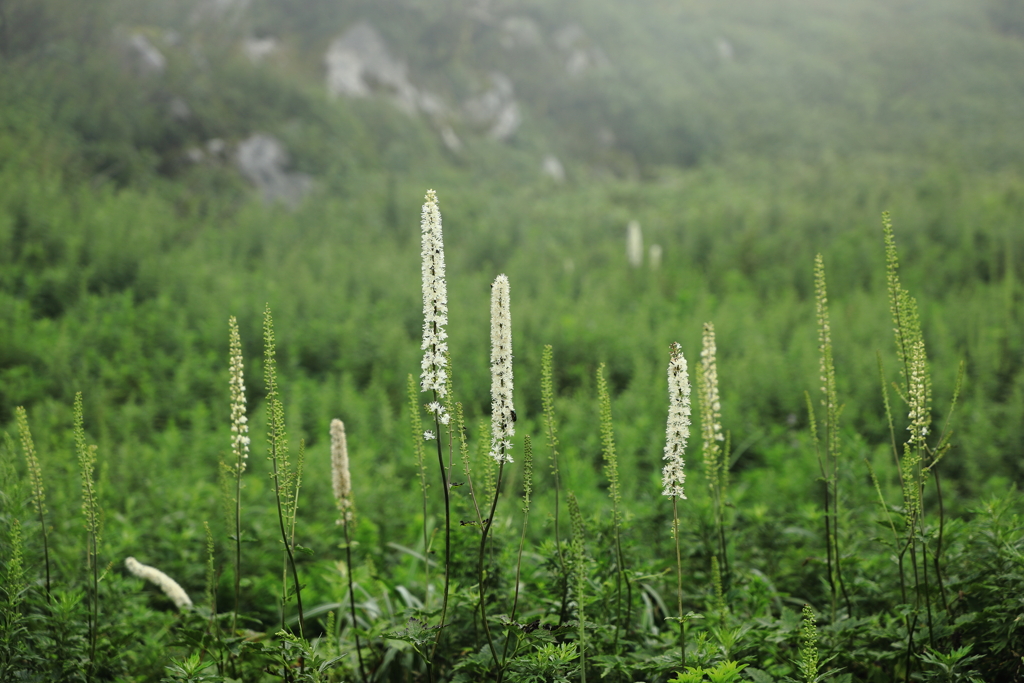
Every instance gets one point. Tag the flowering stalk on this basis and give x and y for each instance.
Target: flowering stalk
(503, 414)
(35, 475)
(677, 433)
(169, 586)
(503, 417)
(239, 447)
(829, 464)
(715, 468)
(916, 391)
(285, 480)
(578, 560)
(91, 511)
(341, 481)
(434, 366)
(211, 581)
(611, 470)
(808, 664)
(547, 397)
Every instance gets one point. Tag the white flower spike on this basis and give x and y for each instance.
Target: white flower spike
(165, 583)
(340, 477)
(435, 300)
(503, 414)
(678, 430)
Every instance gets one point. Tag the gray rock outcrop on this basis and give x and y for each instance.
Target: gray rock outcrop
(262, 159)
(359, 63)
(142, 57)
(496, 109)
(580, 54)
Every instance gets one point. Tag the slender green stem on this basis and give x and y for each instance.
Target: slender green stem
(352, 598)
(679, 584)
(547, 386)
(238, 548)
(290, 556)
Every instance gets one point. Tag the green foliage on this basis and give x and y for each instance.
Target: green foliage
(120, 259)
(723, 672)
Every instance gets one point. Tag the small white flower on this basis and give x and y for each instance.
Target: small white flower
(428, 436)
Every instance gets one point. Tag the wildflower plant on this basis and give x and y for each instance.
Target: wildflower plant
(239, 448)
(578, 562)
(35, 477)
(434, 368)
(547, 394)
(808, 664)
(611, 470)
(503, 417)
(677, 433)
(286, 480)
(341, 481)
(715, 463)
(91, 512)
(828, 457)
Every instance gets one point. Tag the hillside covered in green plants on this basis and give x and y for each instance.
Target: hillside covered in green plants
(638, 171)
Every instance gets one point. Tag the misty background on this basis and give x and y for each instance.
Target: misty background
(164, 165)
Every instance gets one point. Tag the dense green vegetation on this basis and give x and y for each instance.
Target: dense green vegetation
(744, 137)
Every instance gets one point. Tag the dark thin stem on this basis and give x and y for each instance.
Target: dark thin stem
(927, 587)
(238, 547)
(95, 625)
(910, 644)
(938, 547)
(447, 534)
(828, 544)
(480, 566)
(287, 546)
(679, 584)
(515, 598)
(352, 599)
(46, 546)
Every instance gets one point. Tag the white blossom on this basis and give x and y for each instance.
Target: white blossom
(340, 477)
(502, 410)
(428, 436)
(435, 300)
(239, 422)
(634, 244)
(678, 429)
(165, 583)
